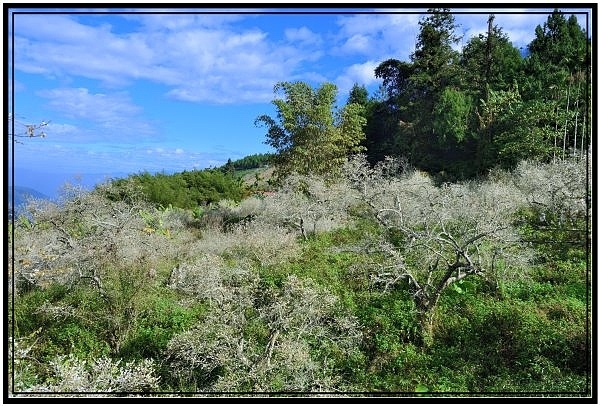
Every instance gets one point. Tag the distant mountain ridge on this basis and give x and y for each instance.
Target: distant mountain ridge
(21, 194)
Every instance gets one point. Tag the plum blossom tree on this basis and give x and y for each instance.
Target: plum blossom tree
(437, 236)
(20, 129)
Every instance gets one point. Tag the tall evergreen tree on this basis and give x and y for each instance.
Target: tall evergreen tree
(490, 61)
(560, 43)
(427, 135)
(558, 69)
(457, 114)
(491, 66)
(435, 61)
(358, 95)
(436, 69)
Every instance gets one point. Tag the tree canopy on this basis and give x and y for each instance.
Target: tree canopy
(457, 114)
(310, 135)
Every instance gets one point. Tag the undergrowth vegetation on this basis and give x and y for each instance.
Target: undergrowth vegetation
(380, 281)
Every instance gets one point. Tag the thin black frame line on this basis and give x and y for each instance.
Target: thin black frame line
(315, 6)
(589, 275)
(12, 173)
(299, 12)
(372, 394)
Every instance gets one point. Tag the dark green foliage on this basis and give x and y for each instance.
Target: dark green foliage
(396, 76)
(451, 116)
(490, 61)
(26, 322)
(434, 60)
(425, 116)
(62, 321)
(248, 162)
(359, 95)
(528, 134)
(560, 43)
(497, 338)
(457, 115)
(559, 239)
(188, 189)
(381, 132)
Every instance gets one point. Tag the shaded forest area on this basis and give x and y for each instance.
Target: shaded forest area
(430, 240)
(458, 114)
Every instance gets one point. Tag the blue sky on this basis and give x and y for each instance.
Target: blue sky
(130, 92)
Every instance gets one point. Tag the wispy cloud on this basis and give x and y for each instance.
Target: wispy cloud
(199, 57)
(177, 22)
(378, 35)
(220, 58)
(104, 158)
(59, 46)
(113, 113)
(303, 35)
(59, 129)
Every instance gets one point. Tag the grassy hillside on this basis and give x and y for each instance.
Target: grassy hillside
(381, 282)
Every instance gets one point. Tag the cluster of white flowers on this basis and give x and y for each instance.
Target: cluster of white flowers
(299, 311)
(104, 376)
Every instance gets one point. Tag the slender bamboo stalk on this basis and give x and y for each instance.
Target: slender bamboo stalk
(555, 132)
(566, 122)
(583, 135)
(576, 116)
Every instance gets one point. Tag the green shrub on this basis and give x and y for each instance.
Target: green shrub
(160, 318)
(78, 339)
(507, 341)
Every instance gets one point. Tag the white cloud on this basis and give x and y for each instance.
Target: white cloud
(360, 73)
(99, 157)
(176, 22)
(114, 113)
(208, 58)
(358, 43)
(60, 129)
(80, 103)
(200, 58)
(302, 35)
(57, 28)
(376, 23)
(197, 60)
(227, 67)
(379, 36)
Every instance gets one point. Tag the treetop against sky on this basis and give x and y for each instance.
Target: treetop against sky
(127, 90)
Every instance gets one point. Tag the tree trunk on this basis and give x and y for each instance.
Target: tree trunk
(488, 61)
(426, 327)
(302, 230)
(555, 132)
(426, 306)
